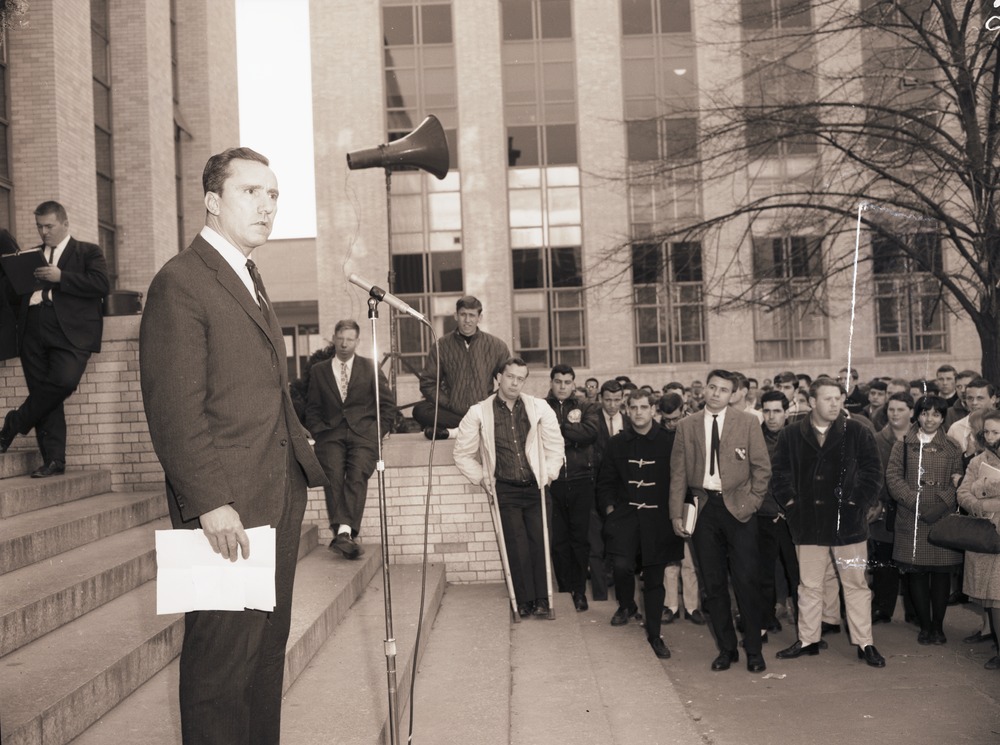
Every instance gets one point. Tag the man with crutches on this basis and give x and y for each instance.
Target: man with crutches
(511, 444)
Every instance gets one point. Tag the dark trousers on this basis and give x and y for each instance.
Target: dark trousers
(52, 369)
(723, 546)
(232, 662)
(521, 517)
(572, 502)
(774, 542)
(884, 578)
(599, 564)
(348, 461)
(423, 412)
(929, 591)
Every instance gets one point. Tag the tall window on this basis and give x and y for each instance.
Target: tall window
(178, 129)
(779, 77)
(6, 185)
(426, 262)
(790, 319)
(543, 181)
(103, 143)
(669, 303)
(909, 300)
(661, 131)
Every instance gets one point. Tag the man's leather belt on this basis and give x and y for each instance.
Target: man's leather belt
(522, 484)
(713, 493)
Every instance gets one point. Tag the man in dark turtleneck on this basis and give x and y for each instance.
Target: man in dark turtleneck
(469, 362)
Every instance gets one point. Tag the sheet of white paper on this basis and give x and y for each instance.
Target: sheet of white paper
(191, 576)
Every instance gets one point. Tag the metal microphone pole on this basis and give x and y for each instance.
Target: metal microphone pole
(390, 641)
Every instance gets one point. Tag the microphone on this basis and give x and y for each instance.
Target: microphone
(379, 294)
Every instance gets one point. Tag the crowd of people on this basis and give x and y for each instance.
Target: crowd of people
(805, 499)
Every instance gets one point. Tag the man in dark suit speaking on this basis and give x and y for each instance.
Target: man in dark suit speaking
(341, 416)
(215, 390)
(60, 327)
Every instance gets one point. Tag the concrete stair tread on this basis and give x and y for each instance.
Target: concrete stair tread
(19, 461)
(325, 589)
(342, 695)
(39, 534)
(22, 494)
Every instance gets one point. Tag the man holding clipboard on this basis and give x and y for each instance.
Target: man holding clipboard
(60, 325)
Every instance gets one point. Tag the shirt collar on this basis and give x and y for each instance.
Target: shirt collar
(233, 256)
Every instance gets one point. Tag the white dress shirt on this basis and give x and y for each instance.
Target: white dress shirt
(614, 423)
(233, 256)
(713, 481)
(36, 296)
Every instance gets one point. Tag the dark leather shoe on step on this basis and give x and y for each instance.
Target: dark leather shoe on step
(725, 660)
(829, 628)
(541, 608)
(345, 545)
(871, 656)
(9, 431)
(435, 434)
(660, 648)
(525, 609)
(668, 615)
(622, 615)
(798, 650)
(580, 602)
(52, 468)
(755, 663)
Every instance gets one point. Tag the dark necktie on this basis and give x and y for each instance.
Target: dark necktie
(715, 445)
(258, 285)
(47, 291)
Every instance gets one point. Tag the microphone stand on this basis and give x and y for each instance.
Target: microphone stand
(390, 641)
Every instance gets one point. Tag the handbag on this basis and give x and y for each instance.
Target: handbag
(965, 533)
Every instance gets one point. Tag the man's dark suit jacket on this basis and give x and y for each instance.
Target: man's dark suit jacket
(78, 298)
(326, 409)
(215, 389)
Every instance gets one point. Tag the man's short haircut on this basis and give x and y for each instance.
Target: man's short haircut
(347, 323)
(674, 385)
(806, 378)
(740, 381)
(515, 361)
(623, 379)
(468, 302)
(629, 386)
(589, 379)
(983, 383)
(946, 368)
(648, 388)
(967, 374)
(610, 386)
(775, 396)
(562, 369)
(217, 168)
(639, 395)
(52, 207)
(900, 382)
(878, 385)
(853, 371)
(824, 382)
(906, 398)
(725, 375)
(670, 402)
(785, 377)
(929, 403)
(754, 380)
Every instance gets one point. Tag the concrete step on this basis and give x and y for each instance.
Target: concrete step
(39, 598)
(342, 695)
(58, 685)
(325, 589)
(22, 494)
(19, 462)
(41, 534)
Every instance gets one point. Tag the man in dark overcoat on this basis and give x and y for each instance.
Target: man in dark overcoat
(632, 491)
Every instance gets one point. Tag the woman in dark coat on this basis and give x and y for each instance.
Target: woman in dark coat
(923, 471)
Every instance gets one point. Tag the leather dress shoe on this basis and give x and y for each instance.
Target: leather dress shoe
(525, 609)
(9, 431)
(435, 434)
(622, 615)
(541, 608)
(798, 650)
(755, 663)
(346, 546)
(938, 637)
(829, 628)
(977, 637)
(871, 656)
(880, 617)
(668, 615)
(696, 617)
(958, 598)
(924, 637)
(774, 626)
(993, 663)
(580, 602)
(724, 660)
(660, 648)
(52, 468)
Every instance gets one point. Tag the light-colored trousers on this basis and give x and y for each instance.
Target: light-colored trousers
(684, 570)
(849, 562)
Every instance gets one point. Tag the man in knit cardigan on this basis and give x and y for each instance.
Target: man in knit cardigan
(469, 361)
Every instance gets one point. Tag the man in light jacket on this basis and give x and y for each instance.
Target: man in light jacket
(512, 445)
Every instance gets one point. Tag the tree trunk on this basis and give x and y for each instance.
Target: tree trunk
(989, 339)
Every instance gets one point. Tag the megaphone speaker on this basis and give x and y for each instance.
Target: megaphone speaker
(425, 148)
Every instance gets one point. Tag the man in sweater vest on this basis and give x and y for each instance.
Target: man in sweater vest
(469, 359)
